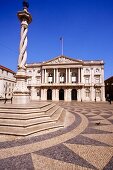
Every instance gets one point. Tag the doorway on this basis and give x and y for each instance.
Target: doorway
(74, 94)
(49, 94)
(61, 94)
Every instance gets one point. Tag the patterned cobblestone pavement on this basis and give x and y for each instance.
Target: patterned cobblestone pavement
(86, 144)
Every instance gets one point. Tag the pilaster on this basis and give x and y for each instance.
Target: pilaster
(54, 75)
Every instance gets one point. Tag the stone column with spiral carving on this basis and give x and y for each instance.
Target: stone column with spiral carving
(21, 92)
(23, 45)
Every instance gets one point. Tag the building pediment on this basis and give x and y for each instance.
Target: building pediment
(63, 60)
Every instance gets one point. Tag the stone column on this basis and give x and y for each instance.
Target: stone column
(82, 75)
(21, 92)
(92, 76)
(42, 94)
(103, 86)
(102, 76)
(42, 76)
(68, 94)
(69, 76)
(54, 75)
(45, 81)
(53, 94)
(78, 75)
(57, 76)
(66, 75)
(57, 95)
(103, 93)
(83, 97)
(78, 95)
(44, 97)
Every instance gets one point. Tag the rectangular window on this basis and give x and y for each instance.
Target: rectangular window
(98, 93)
(50, 79)
(87, 80)
(73, 79)
(61, 79)
(29, 81)
(87, 92)
(97, 79)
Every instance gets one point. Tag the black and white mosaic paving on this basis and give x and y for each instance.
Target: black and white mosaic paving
(82, 150)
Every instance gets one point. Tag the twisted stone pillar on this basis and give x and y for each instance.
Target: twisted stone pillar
(23, 45)
(21, 92)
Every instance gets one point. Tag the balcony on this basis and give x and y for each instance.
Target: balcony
(61, 84)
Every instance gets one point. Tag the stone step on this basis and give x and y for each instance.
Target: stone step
(23, 123)
(26, 111)
(19, 116)
(20, 131)
(46, 108)
(25, 106)
(51, 116)
(52, 110)
(29, 122)
(55, 116)
(62, 117)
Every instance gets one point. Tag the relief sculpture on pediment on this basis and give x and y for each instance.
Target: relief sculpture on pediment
(61, 60)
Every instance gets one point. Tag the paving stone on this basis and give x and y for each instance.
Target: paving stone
(85, 141)
(62, 153)
(91, 148)
(22, 162)
(109, 166)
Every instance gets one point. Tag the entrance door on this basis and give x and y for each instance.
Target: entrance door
(49, 94)
(61, 94)
(74, 94)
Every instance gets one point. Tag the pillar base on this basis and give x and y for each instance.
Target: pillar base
(21, 99)
(21, 92)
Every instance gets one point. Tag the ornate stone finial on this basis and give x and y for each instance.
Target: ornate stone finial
(25, 4)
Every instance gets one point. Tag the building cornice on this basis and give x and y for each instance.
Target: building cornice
(7, 69)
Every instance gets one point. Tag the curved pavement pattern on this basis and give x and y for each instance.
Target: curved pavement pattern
(86, 144)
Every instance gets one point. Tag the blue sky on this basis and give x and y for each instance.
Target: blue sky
(85, 25)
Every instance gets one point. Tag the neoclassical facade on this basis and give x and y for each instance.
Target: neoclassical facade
(64, 78)
(7, 82)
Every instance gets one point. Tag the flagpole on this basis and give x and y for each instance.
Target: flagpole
(62, 46)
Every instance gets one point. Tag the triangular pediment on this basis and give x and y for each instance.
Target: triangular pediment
(63, 60)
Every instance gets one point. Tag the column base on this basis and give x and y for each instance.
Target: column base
(21, 99)
(21, 92)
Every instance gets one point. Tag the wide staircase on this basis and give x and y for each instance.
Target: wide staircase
(24, 120)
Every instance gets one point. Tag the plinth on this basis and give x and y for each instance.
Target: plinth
(21, 92)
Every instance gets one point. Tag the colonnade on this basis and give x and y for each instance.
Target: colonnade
(56, 75)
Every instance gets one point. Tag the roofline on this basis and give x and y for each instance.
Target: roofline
(62, 56)
(83, 62)
(109, 78)
(7, 69)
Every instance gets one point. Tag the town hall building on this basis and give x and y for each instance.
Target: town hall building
(68, 79)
